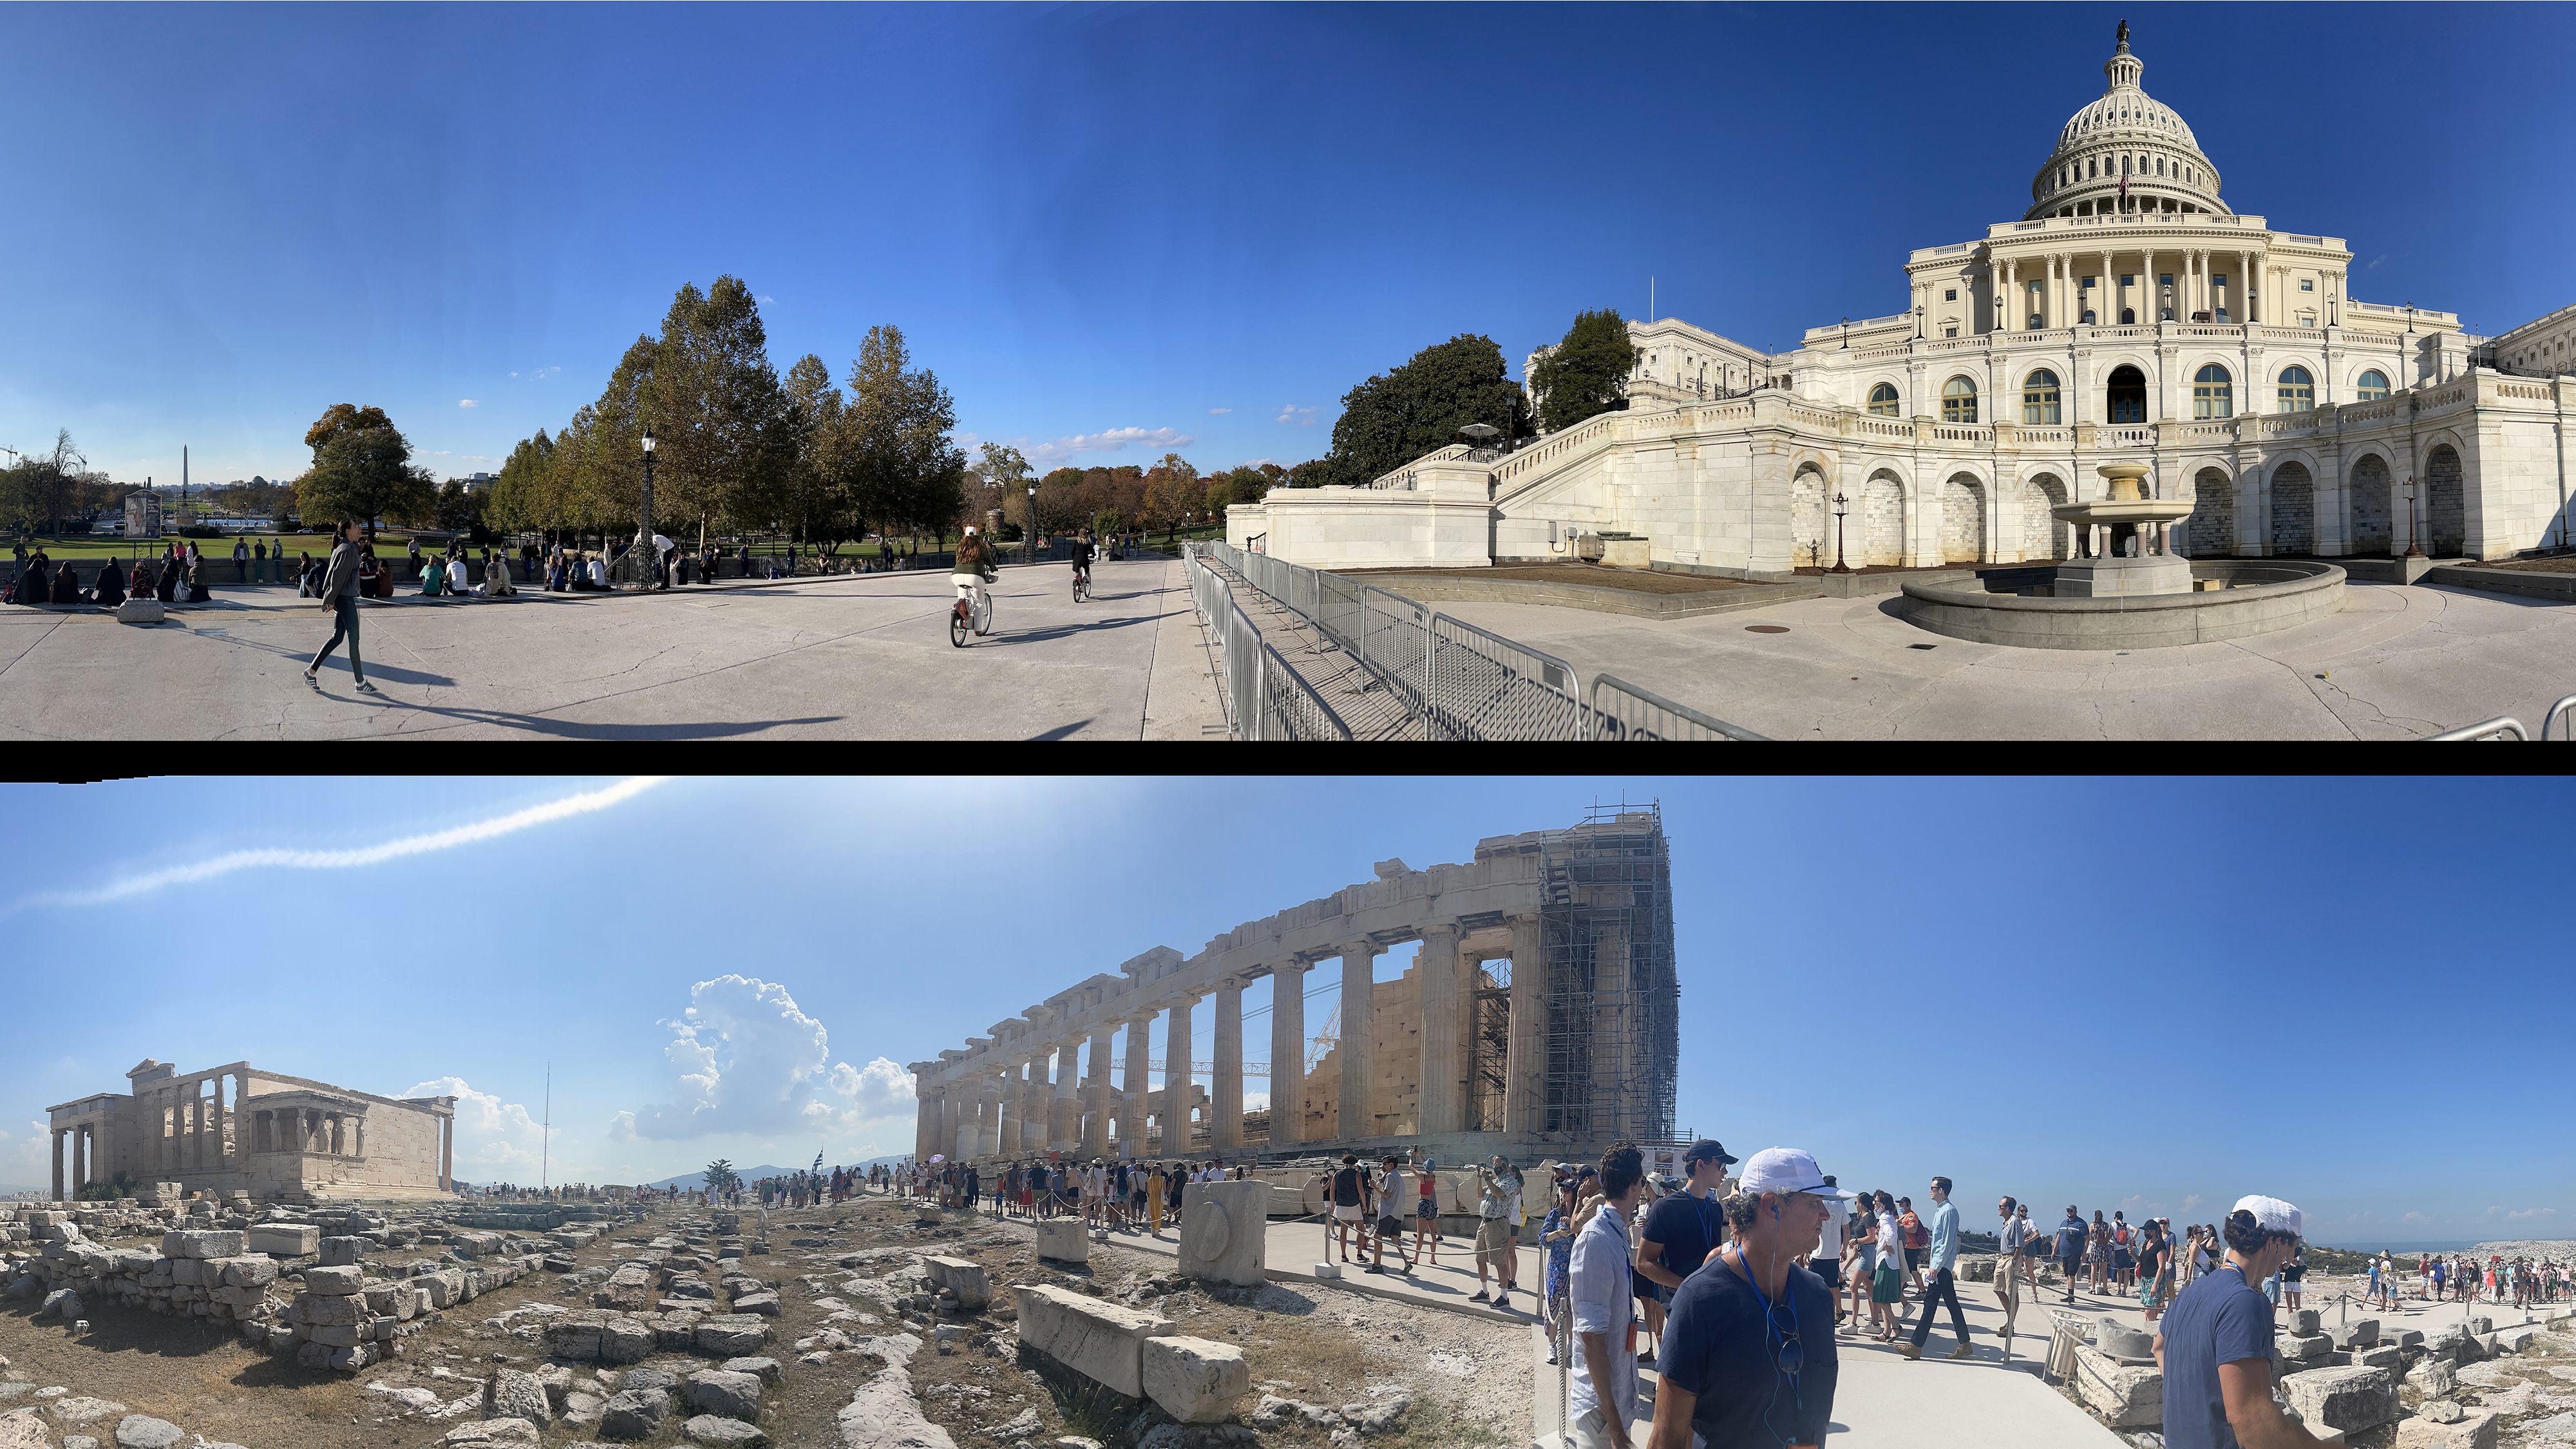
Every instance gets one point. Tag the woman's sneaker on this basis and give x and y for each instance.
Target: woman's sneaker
(366, 687)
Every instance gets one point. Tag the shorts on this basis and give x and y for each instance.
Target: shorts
(1427, 1209)
(1350, 1214)
(1913, 1259)
(1390, 1226)
(1493, 1238)
(1829, 1269)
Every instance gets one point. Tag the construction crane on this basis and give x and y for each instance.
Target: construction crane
(1325, 1040)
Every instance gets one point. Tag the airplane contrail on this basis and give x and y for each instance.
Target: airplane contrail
(583, 804)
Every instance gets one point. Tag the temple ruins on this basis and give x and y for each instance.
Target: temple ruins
(1540, 1017)
(236, 1128)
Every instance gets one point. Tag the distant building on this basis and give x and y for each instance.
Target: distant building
(142, 514)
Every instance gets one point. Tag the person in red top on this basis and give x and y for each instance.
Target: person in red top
(1916, 1240)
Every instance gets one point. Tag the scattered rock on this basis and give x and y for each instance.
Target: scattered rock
(80, 1410)
(710, 1429)
(495, 1434)
(137, 1431)
(732, 1395)
(634, 1413)
(766, 1368)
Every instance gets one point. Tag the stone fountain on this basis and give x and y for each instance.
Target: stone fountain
(2140, 558)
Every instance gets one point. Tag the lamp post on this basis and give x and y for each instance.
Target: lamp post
(2411, 550)
(1033, 523)
(643, 545)
(1842, 506)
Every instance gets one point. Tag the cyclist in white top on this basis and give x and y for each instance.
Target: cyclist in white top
(973, 568)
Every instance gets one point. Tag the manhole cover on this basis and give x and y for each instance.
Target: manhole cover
(1766, 628)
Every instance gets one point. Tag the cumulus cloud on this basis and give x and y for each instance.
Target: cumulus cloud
(481, 830)
(2191, 1202)
(1054, 451)
(1291, 413)
(745, 1058)
(467, 402)
(496, 1141)
(538, 375)
(2417, 1220)
(2521, 1215)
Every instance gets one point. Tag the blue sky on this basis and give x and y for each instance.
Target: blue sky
(1116, 230)
(2159, 996)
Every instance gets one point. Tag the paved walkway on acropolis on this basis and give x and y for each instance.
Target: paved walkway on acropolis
(849, 657)
(2398, 662)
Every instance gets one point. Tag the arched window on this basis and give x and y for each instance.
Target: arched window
(1958, 401)
(2298, 390)
(2126, 392)
(2372, 387)
(2039, 397)
(2128, 316)
(2211, 396)
(1882, 400)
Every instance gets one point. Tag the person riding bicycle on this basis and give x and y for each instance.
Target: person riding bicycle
(1083, 550)
(974, 567)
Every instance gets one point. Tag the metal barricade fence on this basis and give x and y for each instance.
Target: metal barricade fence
(1290, 707)
(1482, 686)
(1395, 645)
(1338, 610)
(1622, 711)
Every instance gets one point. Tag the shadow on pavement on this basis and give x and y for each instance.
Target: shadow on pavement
(1062, 631)
(1060, 731)
(570, 730)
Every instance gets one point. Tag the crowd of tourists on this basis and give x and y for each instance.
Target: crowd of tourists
(1112, 1196)
(177, 576)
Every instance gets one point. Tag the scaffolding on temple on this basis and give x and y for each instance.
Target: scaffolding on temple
(1610, 1032)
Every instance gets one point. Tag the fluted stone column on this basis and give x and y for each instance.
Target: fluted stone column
(1095, 1126)
(988, 1116)
(81, 1165)
(447, 1154)
(1436, 974)
(1176, 1078)
(1359, 963)
(1225, 1133)
(924, 1105)
(1525, 1074)
(1288, 1051)
(1131, 1122)
(58, 1165)
(1037, 1104)
(1064, 1114)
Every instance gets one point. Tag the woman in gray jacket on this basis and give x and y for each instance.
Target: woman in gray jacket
(340, 594)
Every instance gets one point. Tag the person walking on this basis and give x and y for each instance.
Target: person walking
(2071, 1236)
(2011, 1242)
(340, 595)
(1681, 1229)
(1493, 1228)
(1939, 1284)
(1556, 1238)
(1741, 1368)
(1349, 1196)
(1887, 1283)
(1426, 1213)
(2215, 1346)
(1604, 1396)
(1916, 1240)
(1862, 1250)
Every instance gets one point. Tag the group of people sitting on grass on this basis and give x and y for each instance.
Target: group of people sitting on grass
(40, 581)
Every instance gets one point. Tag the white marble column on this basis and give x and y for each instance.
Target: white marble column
(1288, 1051)
(1037, 1105)
(1525, 1073)
(1359, 962)
(447, 1153)
(988, 1116)
(58, 1165)
(80, 1159)
(1095, 1126)
(1064, 1115)
(1176, 1078)
(925, 1108)
(1437, 979)
(2106, 313)
(1225, 1132)
(1131, 1122)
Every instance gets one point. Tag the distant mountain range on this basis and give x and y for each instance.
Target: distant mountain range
(754, 1174)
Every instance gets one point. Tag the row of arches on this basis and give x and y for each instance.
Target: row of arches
(1874, 532)
(2213, 394)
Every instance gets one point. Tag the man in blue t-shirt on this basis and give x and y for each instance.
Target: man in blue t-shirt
(1748, 1353)
(2215, 1344)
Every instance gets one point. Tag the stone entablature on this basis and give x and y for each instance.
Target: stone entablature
(236, 1127)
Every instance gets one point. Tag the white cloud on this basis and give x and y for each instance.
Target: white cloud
(1214, 411)
(2521, 1215)
(1291, 413)
(481, 830)
(496, 1141)
(2191, 1202)
(2416, 1220)
(1255, 462)
(29, 1162)
(765, 297)
(1055, 451)
(745, 1058)
(467, 402)
(540, 375)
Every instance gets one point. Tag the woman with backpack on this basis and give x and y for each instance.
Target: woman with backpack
(2124, 1262)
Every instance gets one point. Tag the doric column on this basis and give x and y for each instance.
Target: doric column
(1225, 1131)
(1064, 1119)
(1131, 1122)
(447, 1153)
(223, 1158)
(58, 1164)
(1095, 1126)
(924, 1106)
(1037, 1106)
(1007, 1113)
(1359, 961)
(80, 1159)
(1176, 1079)
(989, 1098)
(1436, 977)
(1288, 1051)
(962, 1137)
(1525, 1073)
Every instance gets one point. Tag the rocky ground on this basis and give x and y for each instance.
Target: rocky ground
(861, 1355)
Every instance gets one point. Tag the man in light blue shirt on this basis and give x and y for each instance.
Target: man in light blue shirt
(1602, 1288)
(1939, 1283)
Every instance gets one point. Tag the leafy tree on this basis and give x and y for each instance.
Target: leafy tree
(517, 504)
(1007, 474)
(816, 498)
(1586, 372)
(719, 1174)
(723, 427)
(362, 469)
(1172, 489)
(1407, 411)
(460, 510)
(906, 471)
(1313, 473)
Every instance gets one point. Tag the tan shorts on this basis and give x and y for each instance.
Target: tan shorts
(1493, 1239)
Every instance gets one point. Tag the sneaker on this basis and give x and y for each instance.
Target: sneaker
(1481, 1296)
(1646, 1356)
(365, 688)
(1910, 1349)
(1551, 1356)
(1374, 1268)
(312, 679)
(1503, 1301)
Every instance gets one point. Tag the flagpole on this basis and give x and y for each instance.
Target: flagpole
(545, 1133)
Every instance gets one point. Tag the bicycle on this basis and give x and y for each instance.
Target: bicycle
(1081, 584)
(973, 610)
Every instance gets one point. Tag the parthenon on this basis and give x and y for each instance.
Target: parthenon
(1540, 1014)
(272, 1135)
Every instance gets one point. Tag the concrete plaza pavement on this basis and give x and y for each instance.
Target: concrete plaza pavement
(839, 657)
(2398, 662)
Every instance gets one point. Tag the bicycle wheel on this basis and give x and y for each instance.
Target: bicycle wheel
(956, 629)
(984, 616)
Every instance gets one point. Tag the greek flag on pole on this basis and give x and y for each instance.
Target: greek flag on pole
(818, 1159)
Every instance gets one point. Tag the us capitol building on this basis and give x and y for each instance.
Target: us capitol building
(2130, 314)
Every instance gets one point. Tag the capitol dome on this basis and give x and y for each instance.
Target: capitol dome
(2127, 133)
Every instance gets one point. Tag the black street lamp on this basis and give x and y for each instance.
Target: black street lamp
(1842, 506)
(643, 545)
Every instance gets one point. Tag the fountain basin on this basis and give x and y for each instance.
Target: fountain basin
(2260, 595)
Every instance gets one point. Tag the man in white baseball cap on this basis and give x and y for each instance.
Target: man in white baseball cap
(2215, 1343)
(1748, 1352)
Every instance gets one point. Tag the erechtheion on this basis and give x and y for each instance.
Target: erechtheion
(1540, 1016)
(236, 1127)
